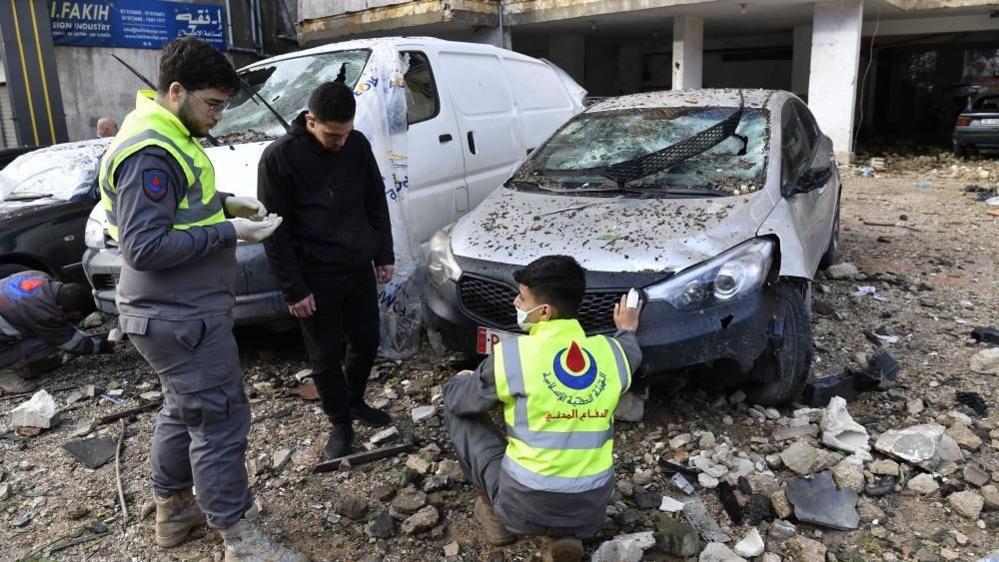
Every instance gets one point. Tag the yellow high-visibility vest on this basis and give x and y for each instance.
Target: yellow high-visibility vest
(150, 124)
(559, 389)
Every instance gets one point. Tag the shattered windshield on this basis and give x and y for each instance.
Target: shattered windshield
(286, 86)
(58, 172)
(594, 140)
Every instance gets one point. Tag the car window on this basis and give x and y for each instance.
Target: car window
(810, 128)
(61, 171)
(605, 138)
(795, 146)
(986, 103)
(286, 85)
(422, 102)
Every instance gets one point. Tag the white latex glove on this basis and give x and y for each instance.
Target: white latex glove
(245, 207)
(256, 231)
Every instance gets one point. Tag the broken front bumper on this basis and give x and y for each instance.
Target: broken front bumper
(729, 336)
(258, 299)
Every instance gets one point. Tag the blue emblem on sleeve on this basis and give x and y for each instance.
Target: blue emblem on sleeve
(155, 183)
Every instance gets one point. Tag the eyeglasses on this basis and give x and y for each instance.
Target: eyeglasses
(217, 108)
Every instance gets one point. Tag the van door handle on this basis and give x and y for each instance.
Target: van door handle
(446, 137)
(471, 142)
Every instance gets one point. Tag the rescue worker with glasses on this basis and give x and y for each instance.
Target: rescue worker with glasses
(175, 297)
(552, 474)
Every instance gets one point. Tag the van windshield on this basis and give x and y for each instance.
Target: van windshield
(736, 165)
(286, 86)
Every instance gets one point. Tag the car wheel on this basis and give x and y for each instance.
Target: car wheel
(832, 252)
(8, 269)
(783, 368)
(960, 150)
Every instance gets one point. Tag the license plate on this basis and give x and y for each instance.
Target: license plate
(989, 122)
(487, 338)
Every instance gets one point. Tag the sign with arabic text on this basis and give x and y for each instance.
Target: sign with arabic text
(140, 24)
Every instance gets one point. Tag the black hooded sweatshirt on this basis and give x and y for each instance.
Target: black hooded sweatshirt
(336, 219)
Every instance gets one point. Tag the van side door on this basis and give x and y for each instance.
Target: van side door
(437, 189)
(484, 108)
(541, 100)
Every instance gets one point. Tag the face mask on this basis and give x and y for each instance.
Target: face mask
(522, 318)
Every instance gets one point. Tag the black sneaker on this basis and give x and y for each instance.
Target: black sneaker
(369, 416)
(338, 445)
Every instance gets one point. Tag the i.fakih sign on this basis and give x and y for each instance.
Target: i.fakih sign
(141, 24)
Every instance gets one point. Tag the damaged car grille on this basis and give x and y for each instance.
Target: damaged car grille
(491, 303)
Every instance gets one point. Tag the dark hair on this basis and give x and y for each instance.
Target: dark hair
(332, 101)
(197, 66)
(75, 297)
(556, 280)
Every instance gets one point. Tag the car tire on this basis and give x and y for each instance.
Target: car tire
(782, 372)
(8, 269)
(960, 150)
(831, 254)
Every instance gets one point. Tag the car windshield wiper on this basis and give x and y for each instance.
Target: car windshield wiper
(26, 196)
(661, 160)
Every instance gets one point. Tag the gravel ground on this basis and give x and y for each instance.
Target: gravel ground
(929, 253)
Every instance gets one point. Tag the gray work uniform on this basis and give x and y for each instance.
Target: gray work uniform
(32, 326)
(480, 447)
(175, 301)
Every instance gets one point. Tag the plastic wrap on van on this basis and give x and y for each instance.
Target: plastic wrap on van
(381, 116)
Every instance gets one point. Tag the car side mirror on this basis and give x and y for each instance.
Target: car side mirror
(819, 170)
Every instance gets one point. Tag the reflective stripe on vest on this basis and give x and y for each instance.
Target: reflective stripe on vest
(569, 448)
(152, 125)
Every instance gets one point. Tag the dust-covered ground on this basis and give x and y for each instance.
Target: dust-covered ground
(931, 256)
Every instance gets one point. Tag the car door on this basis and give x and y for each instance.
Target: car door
(485, 112)
(437, 189)
(813, 211)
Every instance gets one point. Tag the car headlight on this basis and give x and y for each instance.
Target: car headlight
(441, 265)
(724, 278)
(93, 235)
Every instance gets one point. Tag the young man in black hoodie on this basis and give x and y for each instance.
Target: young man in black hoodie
(335, 242)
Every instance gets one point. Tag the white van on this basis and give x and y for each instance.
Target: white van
(474, 113)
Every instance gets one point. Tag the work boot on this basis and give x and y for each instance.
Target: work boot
(338, 444)
(37, 368)
(563, 549)
(247, 541)
(368, 415)
(11, 382)
(176, 517)
(496, 533)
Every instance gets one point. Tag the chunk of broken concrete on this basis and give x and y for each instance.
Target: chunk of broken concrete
(630, 408)
(817, 500)
(839, 431)
(800, 457)
(670, 505)
(964, 437)
(923, 484)
(699, 518)
(842, 270)
(967, 504)
(615, 551)
(423, 413)
(919, 445)
(751, 545)
(385, 435)
(718, 552)
(986, 361)
(804, 549)
(39, 411)
(94, 452)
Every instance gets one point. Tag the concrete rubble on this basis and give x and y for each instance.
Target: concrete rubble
(39, 411)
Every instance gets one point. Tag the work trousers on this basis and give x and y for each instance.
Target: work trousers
(480, 447)
(21, 354)
(201, 430)
(346, 317)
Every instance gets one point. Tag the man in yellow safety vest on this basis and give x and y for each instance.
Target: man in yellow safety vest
(553, 473)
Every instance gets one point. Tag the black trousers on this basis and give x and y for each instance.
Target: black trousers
(342, 338)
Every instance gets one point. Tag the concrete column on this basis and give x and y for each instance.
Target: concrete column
(569, 53)
(832, 84)
(801, 59)
(688, 52)
(492, 36)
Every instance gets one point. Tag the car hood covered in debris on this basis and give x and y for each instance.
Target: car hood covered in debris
(609, 234)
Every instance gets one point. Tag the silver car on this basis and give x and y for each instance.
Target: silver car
(719, 205)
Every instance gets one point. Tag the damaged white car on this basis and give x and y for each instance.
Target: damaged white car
(719, 205)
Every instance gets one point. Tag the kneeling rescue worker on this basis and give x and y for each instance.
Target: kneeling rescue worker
(553, 473)
(36, 323)
(175, 298)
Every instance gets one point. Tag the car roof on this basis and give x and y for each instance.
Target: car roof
(393, 41)
(695, 98)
